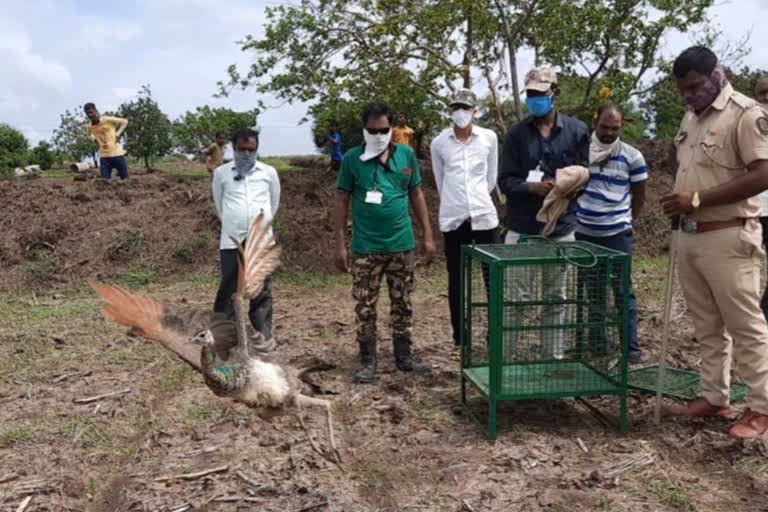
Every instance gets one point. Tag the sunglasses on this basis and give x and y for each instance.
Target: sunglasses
(378, 131)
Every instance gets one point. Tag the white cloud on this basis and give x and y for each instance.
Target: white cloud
(26, 71)
(100, 35)
(115, 98)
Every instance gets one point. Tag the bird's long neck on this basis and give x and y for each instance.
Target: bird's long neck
(241, 317)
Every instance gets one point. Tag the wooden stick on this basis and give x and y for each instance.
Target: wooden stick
(202, 451)
(665, 332)
(323, 503)
(101, 397)
(236, 499)
(245, 478)
(193, 476)
(582, 445)
(24, 504)
(8, 478)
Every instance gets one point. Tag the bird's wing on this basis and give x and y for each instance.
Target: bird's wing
(260, 258)
(224, 335)
(170, 327)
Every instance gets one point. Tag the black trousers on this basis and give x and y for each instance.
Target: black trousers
(260, 308)
(452, 242)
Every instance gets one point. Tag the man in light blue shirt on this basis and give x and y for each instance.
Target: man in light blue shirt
(613, 197)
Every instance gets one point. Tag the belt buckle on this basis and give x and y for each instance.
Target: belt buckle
(689, 225)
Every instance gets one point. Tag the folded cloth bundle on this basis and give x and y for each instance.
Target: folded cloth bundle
(568, 181)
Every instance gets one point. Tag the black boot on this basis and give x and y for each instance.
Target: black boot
(401, 346)
(367, 373)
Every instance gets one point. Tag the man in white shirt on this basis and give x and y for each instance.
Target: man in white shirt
(465, 164)
(242, 190)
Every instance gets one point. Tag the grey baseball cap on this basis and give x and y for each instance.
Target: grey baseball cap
(464, 97)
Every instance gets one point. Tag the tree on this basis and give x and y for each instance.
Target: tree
(13, 149)
(148, 135)
(327, 48)
(393, 87)
(195, 130)
(71, 138)
(42, 155)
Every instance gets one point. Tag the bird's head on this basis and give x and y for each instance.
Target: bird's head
(202, 338)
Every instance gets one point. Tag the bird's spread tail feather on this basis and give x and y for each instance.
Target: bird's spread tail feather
(258, 259)
(147, 315)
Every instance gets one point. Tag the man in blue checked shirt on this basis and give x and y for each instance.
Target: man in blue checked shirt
(613, 198)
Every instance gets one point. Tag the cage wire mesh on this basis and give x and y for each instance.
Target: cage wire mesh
(544, 319)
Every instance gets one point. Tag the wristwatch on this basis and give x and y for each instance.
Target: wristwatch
(695, 201)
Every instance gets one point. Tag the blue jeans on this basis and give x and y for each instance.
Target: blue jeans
(113, 162)
(620, 242)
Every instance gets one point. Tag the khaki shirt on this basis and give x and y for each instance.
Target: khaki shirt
(216, 155)
(717, 147)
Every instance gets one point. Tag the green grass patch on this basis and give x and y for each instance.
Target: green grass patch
(198, 412)
(281, 164)
(138, 278)
(81, 428)
(191, 249)
(16, 434)
(672, 494)
(172, 379)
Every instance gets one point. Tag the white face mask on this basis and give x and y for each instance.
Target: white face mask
(375, 144)
(462, 117)
(601, 151)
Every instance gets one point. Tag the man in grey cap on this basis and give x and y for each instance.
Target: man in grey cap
(465, 164)
(534, 149)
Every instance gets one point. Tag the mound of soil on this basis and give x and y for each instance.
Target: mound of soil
(164, 224)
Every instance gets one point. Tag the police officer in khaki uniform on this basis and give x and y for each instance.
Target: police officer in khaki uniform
(722, 152)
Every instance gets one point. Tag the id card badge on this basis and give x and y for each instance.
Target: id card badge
(534, 176)
(373, 197)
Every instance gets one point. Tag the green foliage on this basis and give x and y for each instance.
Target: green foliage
(411, 54)
(195, 130)
(13, 150)
(71, 138)
(148, 135)
(665, 108)
(43, 156)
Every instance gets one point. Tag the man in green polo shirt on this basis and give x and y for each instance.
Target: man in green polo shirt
(380, 179)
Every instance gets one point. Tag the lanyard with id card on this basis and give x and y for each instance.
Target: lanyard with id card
(374, 196)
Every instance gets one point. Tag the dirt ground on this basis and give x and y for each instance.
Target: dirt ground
(406, 443)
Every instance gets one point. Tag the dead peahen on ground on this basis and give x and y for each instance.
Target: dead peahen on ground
(230, 358)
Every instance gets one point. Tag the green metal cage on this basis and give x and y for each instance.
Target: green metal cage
(543, 320)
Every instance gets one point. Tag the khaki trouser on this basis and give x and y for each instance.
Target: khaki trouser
(720, 277)
(521, 287)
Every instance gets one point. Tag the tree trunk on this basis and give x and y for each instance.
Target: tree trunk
(468, 53)
(512, 49)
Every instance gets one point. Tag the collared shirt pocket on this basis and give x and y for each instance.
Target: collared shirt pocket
(717, 151)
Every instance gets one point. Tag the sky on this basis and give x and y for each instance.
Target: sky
(59, 54)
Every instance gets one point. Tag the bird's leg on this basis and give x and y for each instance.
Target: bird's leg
(306, 431)
(302, 400)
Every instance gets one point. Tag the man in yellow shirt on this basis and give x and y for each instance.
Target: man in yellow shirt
(214, 154)
(106, 131)
(402, 133)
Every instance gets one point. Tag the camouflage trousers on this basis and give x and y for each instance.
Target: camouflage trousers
(367, 273)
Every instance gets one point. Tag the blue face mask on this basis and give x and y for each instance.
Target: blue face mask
(539, 106)
(244, 162)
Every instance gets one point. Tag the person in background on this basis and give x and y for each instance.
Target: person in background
(465, 161)
(334, 139)
(381, 180)
(612, 200)
(242, 190)
(722, 154)
(534, 149)
(107, 130)
(402, 133)
(214, 154)
(761, 95)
